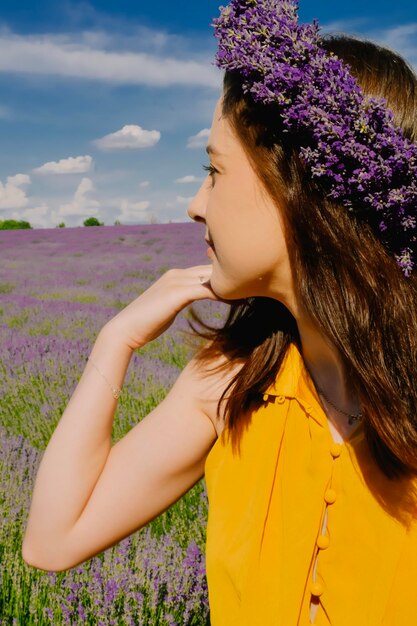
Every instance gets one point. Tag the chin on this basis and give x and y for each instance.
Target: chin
(226, 290)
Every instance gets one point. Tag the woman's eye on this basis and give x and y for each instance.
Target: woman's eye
(212, 170)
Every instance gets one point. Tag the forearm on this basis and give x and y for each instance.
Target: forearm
(78, 449)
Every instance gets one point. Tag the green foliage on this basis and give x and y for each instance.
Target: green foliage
(142, 274)
(19, 320)
(67, 295)
(14, 224)
(35, 393)
(61, 225)
(7, 287)
(92, 221)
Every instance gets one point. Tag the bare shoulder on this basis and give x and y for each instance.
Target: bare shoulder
(206, 383)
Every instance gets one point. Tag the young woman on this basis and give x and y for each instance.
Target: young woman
(310, 464)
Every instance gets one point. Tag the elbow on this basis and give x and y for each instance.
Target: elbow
(44, 568)
(53, 567)
(46, 563)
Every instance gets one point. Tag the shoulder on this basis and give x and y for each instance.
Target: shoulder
(206, 381)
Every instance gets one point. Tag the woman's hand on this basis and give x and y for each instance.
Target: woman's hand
(147, 317)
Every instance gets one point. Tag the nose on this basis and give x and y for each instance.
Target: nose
(197, 207)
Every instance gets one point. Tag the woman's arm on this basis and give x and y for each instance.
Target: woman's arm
(144, 473)
(88, 494)
(78, 449)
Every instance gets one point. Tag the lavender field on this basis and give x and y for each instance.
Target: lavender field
(58, 287)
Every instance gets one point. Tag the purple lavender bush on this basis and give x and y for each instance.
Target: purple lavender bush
(350, 143)
(59, 287)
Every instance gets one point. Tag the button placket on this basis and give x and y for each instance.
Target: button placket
(336, 450)
(322, 543)
(317, 587)
(272, 398)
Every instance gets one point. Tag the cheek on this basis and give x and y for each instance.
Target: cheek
(242, 260)
(246, 231)
(255, 237)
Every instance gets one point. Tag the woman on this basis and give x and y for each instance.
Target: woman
(310, 465)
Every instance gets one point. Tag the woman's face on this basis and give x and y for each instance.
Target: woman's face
(250, 257)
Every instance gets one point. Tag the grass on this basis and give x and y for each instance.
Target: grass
(7, 288)
(156, 576)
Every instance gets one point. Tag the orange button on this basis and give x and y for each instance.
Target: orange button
(317, 589)
(266, 396)
(280, 399)
(335, 449)
(323, 542)
(330, 496)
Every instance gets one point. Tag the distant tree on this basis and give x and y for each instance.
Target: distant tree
(117, 223)
(153, 219)
(92, 221)
(14, 225)
(61, 225)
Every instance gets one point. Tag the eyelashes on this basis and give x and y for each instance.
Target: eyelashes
(212, 170)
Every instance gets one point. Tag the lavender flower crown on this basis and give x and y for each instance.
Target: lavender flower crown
(354, 151)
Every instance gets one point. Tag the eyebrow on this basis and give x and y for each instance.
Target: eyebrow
(212, 150)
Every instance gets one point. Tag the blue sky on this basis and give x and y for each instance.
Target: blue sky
(105, 107)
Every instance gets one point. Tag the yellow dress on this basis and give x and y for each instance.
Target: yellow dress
(266, 553)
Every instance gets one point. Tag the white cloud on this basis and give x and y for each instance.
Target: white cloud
(344, 26)
(179, 200)
(12, 196)
(189, 179)
(71, 165)
(19, 179)
(183, 200)
(37, 216)
(199, 140)
(129, 137)
(66, 56)
(144, 183)
(37, 211)
(82, 202)
(401, 38)
(134, 211)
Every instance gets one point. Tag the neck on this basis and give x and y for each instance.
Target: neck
(322, 359)
(326, 367)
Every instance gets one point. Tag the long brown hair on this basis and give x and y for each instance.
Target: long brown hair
(349, 285)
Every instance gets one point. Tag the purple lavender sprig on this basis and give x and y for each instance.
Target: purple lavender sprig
(350, 143)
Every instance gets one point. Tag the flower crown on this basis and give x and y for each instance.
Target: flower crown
(355, 152)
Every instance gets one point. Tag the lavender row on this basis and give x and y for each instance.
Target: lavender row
(148, 578)
(58, 288)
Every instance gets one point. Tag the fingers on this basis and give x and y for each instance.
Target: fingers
(203, 273)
